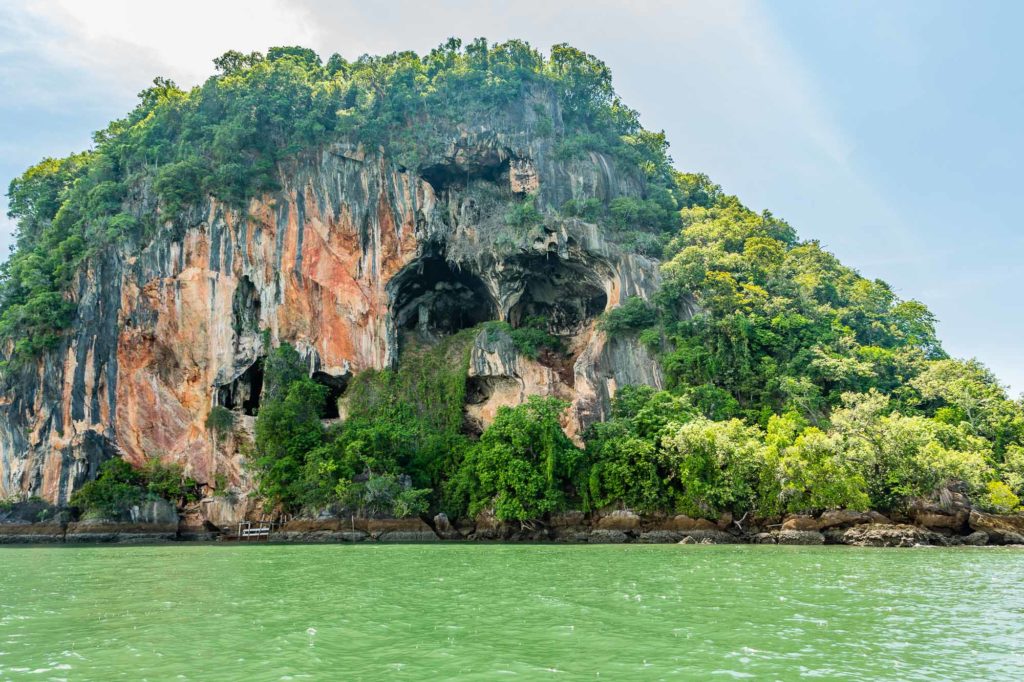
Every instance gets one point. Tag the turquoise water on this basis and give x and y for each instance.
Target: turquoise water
(483, 612)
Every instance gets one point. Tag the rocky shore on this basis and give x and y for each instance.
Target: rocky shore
(948, 520)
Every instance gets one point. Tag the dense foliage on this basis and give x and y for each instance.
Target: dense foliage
(523, 466)
(400, 439)
(119, 486)
(795, 384)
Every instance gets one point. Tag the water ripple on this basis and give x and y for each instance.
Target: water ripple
(471, 612)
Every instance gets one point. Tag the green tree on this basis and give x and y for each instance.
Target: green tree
(901, 457)
(632, 315)
(523, 464)
(288, 427)
(713, 466)
(807, 470)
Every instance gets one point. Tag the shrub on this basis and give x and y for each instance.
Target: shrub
(522, 465)
(578, 145)
(714, 466)
(287, 428)
(591, 210)
(532, 336)
(525, 213)
(118, 487)
(632, 315)
(180, 184)
(169, 482)
(999, 498)
(385, 494)
(220, 421)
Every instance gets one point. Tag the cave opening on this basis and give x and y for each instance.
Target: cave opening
(245, 308)
(444, 176)
(243, 394)
(433, 298)
(565, 296)
(335, 386)
(478, 390)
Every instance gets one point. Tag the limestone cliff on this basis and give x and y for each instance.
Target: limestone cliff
(354, 252)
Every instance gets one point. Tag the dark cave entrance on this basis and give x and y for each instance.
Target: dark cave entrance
(432, 298)
(566, 296)
(243, 394)
(478, 389)
(444, 176)
(335, 386)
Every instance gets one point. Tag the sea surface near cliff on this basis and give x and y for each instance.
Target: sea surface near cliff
(272, 612)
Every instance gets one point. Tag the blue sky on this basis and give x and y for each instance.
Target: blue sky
(892, 132)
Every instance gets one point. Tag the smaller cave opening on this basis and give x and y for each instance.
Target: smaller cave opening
(478, 390)
(243, 394)
(335, 386)
(567, 297)
(445, 176)
(433, 298)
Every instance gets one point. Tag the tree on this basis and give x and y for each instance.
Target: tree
(712, 466)
(523, 464)
(632, 315)
(288, 426)
(119, 486)
(623, 468)
(303, 55)
(180, 184)
(807, 470)
(586, 81)
(965, 391)
(901, 457)
(384, 494)
(282, 367)
(232, 62)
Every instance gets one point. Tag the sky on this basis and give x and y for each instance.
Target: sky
(891, 132)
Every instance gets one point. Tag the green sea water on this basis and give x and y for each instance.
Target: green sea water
(484, 612)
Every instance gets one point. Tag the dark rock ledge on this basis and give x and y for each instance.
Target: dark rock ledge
(950, 521)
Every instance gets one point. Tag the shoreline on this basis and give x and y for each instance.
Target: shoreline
(839, 529)
(483, 543)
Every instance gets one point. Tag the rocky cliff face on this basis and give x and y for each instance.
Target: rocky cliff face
(354, 253)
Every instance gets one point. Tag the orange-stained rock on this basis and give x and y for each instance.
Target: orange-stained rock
(842, 518)
(682, 522)
(800, 522)
(1008, 528)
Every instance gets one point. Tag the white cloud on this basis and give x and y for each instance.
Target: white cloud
(130, 42)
